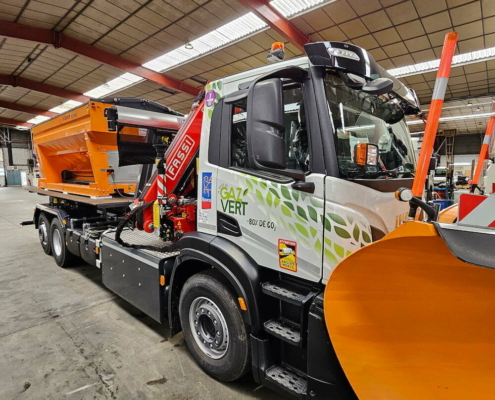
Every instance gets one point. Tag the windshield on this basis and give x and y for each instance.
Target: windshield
(358, 117)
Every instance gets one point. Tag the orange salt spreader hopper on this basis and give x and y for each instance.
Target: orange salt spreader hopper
(78, 154)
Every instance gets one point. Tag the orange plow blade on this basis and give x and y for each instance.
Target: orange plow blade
(409, 320)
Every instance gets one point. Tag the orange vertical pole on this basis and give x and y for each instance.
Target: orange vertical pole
(484, 151)
(431, 128)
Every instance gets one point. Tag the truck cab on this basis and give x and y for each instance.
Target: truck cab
(304, 190)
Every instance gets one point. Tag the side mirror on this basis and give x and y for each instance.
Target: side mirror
(378, 86)
(366, 154)
(265, 124)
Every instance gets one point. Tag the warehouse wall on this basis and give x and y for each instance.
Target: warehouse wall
(467, 144)
(2, 170)
(20, 154)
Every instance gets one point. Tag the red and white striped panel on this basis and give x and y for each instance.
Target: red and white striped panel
(477, 210)
(160, 186)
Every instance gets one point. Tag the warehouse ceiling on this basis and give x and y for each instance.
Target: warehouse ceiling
(397, 32)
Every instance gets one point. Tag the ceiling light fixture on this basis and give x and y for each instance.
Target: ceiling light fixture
(458, 117)
(458, 61)
(239, 29)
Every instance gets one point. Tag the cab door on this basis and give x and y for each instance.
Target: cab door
(267, 213)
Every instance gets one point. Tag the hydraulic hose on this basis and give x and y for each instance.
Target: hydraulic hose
(126, 219)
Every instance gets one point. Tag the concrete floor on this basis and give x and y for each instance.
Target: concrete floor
(63, 335)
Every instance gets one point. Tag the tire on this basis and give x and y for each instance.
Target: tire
(44, 234)
(63, 257)
(204, 299)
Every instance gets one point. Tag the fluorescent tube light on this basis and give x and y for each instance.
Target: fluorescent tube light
(65, 106)
(457, 61)
(457, 117)
(38, 119)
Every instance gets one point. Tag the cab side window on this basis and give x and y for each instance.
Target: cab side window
(295, 135)
(238, 146)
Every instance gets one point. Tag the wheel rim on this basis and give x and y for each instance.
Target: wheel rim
(57, 242)
(43, 234)
(209, 327)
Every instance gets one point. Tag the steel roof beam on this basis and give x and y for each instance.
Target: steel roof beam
(277, 22)
(42, 87)
(27, 109)
(59, 40)
(14, 122)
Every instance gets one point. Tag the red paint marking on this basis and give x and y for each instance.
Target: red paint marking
(468, 202)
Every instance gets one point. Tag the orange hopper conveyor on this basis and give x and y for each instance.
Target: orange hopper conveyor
(78, 154)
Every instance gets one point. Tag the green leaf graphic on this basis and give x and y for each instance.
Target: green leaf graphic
(262, 184)
(350, 218)
(245, 192)
(313, 231)
(286, 211)
(276, 201)
(269, 199)
(259, 196)
(290, 205)
(303, 221)
(295, 194)
(328, 242)
(348, 253)
(302, 213)
(318, 246)
(330, 257)
(275, 193)
(210, 112)
(355, 233)
(302, 229)
(339, 250)
(249, 184)
(312, 214)
(219, 85)
(327, 224)
(318, 203)
(342, 233)
(292, 230)
(214, 84)
(366, 237)
(285, 192)
(337, 218)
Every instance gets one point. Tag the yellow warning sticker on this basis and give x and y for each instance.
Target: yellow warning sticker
(287, 254)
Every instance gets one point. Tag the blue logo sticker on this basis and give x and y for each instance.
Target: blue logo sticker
(206, 192)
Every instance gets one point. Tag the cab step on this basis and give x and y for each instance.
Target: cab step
(283, 293)
(284, 330)
(287, 379)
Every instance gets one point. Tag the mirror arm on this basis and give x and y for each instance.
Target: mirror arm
(308, 187)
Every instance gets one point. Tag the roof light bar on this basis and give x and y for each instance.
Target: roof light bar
(458, 61)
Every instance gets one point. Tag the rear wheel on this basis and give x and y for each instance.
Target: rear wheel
(63, 257)
(44, 234)
(213, 327)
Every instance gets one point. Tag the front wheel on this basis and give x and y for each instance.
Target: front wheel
(214, 330)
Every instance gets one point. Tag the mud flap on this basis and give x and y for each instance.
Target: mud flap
(409, 320)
